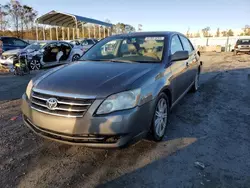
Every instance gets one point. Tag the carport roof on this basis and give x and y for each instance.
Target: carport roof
(56, 18)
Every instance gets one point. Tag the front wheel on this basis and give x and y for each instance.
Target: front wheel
(160, 119)
(35, 64)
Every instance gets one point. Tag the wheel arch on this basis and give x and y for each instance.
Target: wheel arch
(167, 91)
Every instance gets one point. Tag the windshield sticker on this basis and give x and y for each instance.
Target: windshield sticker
(154, 38)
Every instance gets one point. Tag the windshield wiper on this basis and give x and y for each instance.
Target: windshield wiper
(122, 61)
(93, 60)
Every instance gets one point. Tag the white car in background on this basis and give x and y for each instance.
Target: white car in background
(53, 53)
(84, 43)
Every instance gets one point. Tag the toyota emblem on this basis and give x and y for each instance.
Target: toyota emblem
(51, 103)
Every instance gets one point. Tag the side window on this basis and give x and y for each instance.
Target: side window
(18, 42)
(186, 44)
(175, 45)
(90, 42)
(7, 41)
(84, 42)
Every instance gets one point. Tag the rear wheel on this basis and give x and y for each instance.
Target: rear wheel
(160, 119)
(75, 57)
(196, 84)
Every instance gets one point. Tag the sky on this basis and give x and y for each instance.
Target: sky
(156, 15)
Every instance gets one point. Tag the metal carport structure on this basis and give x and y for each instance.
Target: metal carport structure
(55, 18)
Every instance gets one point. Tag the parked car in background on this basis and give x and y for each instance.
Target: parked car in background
(121, 89)
(242, 45)
(52, 53)
(9, 56)
(12, 45)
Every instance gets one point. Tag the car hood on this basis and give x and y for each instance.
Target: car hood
(95, 79)
(12, 52)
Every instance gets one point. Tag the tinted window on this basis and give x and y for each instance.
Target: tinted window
(176, 45)
(243, 41)
(7, 41)
(18, 42)
(186, 44)
(90, 42)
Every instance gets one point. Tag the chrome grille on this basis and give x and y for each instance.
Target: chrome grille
(66, 107)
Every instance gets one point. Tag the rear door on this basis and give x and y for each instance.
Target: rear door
(192, 64)
(178, 69)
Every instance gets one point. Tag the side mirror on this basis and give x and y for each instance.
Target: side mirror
(180, 55)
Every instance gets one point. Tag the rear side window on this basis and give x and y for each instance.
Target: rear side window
(175, 45)
(186, 44)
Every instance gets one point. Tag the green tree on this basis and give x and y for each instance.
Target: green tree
(205, 32)
(14, 10)
(246, 30)
(230, 32)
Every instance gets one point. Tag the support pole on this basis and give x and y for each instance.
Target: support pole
(63, 33)
(36, 32)
(108, 31)
(43, 33)
(104, 32)
(99, 32)
(73, 33)
(50, 33)
(82, 31)
(68, 34)
(89, 31)
(94, 31)
(56, 33)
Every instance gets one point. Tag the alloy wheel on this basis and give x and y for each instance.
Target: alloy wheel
(196, 82)
(75, 57)
(35, 65)
(161, 117)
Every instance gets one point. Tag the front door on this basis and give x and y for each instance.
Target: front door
(179, 69)
(192, 61)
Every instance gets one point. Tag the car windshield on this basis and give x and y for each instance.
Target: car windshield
(141, 49)
(35, 46)
(243, 41)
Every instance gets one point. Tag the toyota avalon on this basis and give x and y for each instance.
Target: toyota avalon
(121, 90)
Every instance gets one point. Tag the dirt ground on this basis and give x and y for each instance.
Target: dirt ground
(211, 126)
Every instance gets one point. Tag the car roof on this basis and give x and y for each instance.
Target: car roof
(152, 33)
(4, 37)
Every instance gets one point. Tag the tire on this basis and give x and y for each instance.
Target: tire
(35, 64)
(195, 86)
(76, 57)
(160, 117)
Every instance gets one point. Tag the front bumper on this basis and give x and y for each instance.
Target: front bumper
(242, 49)
(107, 131)
(6, 62)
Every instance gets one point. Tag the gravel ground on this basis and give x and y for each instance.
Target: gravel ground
(211, 126)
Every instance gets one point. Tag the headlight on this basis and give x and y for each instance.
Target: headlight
(120, 101)
(29, 89)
